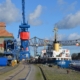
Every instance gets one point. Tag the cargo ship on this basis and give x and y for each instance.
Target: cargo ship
(55, 54)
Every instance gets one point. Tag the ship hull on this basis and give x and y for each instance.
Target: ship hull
(60, 63)
(63, 63)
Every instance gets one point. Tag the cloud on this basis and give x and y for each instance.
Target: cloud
(9, 13)
(60, 2)
(61, 37)
(34, 17)
(64, 37)
(74, 36)
(65, 7)
(70, 21)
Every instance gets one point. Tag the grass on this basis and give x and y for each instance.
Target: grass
(38, 75)
(53, 73)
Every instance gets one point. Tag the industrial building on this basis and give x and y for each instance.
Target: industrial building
(4, 34)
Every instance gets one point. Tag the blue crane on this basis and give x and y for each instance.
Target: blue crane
(24, 36)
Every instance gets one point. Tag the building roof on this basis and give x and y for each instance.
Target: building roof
(2, 24)
(4, 33)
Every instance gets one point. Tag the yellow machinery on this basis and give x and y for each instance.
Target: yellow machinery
(13, 63)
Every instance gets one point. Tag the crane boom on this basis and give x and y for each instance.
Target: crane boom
(23, 11)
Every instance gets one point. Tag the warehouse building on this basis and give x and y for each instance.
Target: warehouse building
(4, 34)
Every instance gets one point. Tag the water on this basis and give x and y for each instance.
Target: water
(76, 62)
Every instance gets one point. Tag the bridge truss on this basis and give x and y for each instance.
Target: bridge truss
(35, 41)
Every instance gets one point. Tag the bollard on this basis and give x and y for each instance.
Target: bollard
(68, 71)
(58, 67)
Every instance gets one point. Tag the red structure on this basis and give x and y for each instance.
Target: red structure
(24, 35)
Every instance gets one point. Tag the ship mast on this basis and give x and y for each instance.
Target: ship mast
(55, 34)
(55, 42)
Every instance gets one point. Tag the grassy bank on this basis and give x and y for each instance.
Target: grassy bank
(38, 75)
(55, 73)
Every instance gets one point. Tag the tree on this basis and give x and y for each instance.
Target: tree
(78, 56)
(74, 56)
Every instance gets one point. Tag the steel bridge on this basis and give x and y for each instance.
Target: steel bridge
(35, 41)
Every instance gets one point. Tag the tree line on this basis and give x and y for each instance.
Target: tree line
(75, 56)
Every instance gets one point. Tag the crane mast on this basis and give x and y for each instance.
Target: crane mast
(24, 36)
(23, 11)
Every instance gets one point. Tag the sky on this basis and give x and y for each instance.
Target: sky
(42, 17)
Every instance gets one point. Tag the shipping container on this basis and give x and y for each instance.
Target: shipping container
(3, 61)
